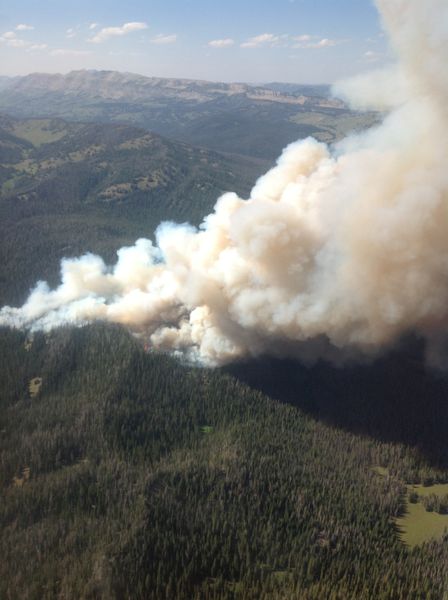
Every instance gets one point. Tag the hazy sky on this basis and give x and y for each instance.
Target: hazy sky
(309, 41)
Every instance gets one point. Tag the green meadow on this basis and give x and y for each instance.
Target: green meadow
(418, 525)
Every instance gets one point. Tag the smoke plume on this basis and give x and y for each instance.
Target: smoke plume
(336, 253)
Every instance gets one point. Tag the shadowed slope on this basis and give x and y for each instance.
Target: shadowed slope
(394, 399)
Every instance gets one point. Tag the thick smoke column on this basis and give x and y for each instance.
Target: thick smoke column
(332, 254)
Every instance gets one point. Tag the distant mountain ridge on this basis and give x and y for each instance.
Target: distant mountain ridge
(114, 85)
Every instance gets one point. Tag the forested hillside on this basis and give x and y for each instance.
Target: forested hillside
(127, 475)
(70, 188)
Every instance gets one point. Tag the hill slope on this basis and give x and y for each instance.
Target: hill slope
(128, 475)
(236, 118)
(69, 188)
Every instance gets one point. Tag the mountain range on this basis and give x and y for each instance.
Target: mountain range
(238, 118)
(114, 85)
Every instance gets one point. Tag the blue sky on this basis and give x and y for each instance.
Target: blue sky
(303, 41)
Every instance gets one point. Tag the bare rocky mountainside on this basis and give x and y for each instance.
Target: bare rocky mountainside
(255, 121)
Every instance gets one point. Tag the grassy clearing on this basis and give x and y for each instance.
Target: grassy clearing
(86, 153)
(207, 429)
(28, 165)
(439, 489)
(18, 481)
(38, 131)
(34, 386)
(381, 471)
(418, 526)
(8, 186)
(138, 143)
(334, 127)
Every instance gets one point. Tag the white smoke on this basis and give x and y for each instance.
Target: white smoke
(333, 253)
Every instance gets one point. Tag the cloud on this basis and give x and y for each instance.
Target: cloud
(303, 39)
(110, 32)
(286, 40)
(164, 39)
(93, 26)
(17, 43)
(310, 42)
(39, 47)
(69, 52)
(371, 56)
(70, 33)
(263, 39)
(11, 40)
(225, 43)
(325, 43)
(23, 27)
